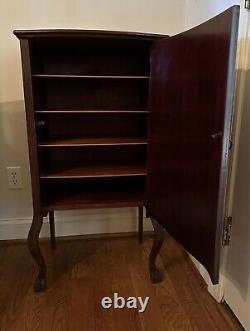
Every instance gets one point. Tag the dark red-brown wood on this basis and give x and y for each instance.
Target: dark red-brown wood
(91, 125)
(46, 76)
(33, 236)
(92, 86)
(85, 200)
(95, 171)
(92, 111)
(92, 142)
(75, 33)
(86, 97)
(192, 81)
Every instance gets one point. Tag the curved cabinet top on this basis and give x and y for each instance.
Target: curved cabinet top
(66, 33)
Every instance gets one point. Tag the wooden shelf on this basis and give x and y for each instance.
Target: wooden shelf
(92, 111)
(76, 142)
(95, 172)
(77, 200)
(91, 121)
(44, 76)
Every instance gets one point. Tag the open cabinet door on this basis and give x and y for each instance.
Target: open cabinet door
(191, 98)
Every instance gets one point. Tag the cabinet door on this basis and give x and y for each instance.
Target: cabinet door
(191, 97)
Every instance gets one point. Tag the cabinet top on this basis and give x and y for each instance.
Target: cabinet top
(64, 33)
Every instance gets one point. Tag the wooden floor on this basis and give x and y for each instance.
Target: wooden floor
(82, 271)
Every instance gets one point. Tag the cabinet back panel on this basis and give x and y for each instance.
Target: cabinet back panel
(69, 93)
(101, 192)
(58, 126)
(90, 56)
(91, 185)
(54, 158)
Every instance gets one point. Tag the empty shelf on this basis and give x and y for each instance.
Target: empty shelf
(81, 200)
(45, 76)
(95, 171)
(75, 142)
(92, 111)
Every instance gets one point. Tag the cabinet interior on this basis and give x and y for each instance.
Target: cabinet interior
(91, 107)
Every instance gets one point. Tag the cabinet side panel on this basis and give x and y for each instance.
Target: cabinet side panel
(31, 123)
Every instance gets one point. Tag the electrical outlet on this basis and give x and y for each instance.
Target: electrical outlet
(14, 177)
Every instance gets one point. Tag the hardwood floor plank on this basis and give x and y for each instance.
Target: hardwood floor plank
(82, 271)
(16, 281)
(171, 310)
(191, 290)
(173, 260)
(123, 319)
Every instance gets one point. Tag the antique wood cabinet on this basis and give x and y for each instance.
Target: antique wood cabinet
(120, 119)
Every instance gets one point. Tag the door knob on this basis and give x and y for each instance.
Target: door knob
(216, 135)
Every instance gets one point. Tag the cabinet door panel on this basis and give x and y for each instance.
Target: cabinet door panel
(191, 96)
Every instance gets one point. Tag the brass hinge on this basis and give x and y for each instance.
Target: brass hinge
(230, 141)
(247, 4)
(227, 226)
(40, 123)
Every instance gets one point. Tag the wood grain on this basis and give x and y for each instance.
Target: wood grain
(52, 33)
(92, 111)
(54, 76)
(71, 142)
(189, 132)
(86, 200)
(95, 171)
(79, 277)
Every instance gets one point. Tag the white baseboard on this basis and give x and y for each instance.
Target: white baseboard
(95, 221)
(215, 290)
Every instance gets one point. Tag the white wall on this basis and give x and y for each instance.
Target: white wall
(236, 272)
(132, 15)
(162, 16)
(237, 265)
(198, 11)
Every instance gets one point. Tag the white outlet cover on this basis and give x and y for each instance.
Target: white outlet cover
(14, 177)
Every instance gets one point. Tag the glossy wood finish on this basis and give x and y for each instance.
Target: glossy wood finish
(91, 125)
(78, 161)
(86, 105)
(96, 171)
(96, 57)
(154, 272)
(106, 94)
(33, 236)
(87, 77)
(94, 85)
(93, 142)
(62, 33)
(86, 200)
(92, 111)
(35, 251)
(192, 81)
(93, 193)
(79, 277)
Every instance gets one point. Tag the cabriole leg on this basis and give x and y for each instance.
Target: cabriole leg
(155, 275)
(34, 248)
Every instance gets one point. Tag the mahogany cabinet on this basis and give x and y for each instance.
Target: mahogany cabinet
(119, 119)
